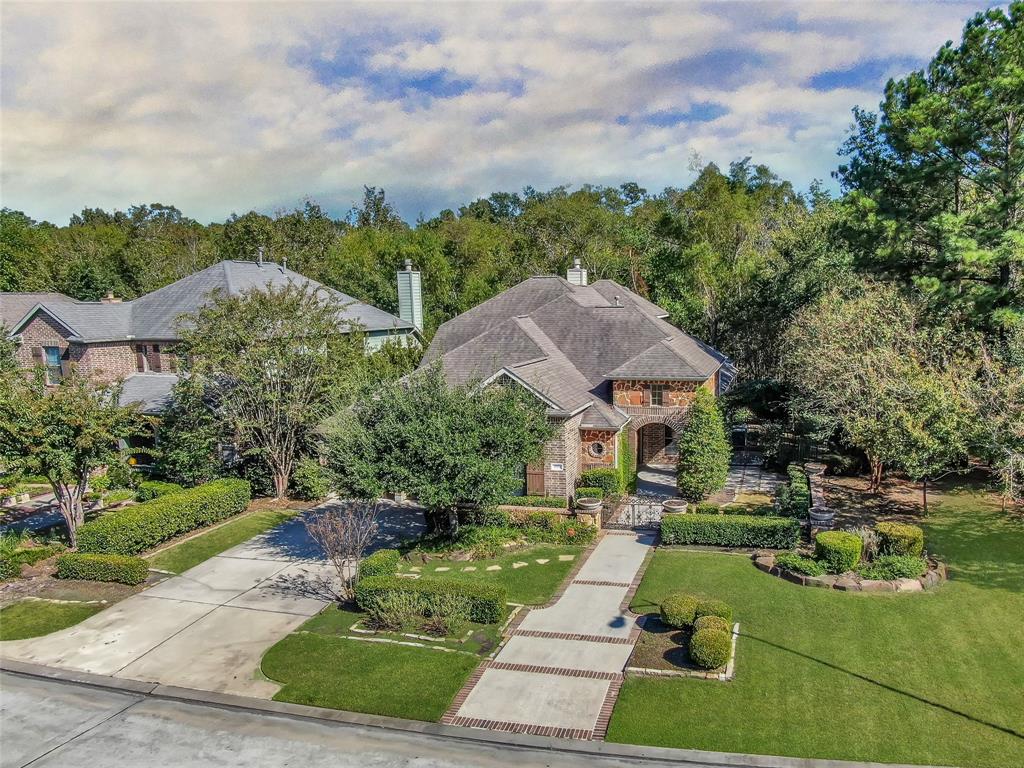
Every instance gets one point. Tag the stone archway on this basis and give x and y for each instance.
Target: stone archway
(638, 425)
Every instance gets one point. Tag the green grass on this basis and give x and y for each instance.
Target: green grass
(919, 678)
(530, 585)
(194, 551)
(375, 678)
(33, 618)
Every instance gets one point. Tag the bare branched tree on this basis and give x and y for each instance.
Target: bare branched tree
(344, 532)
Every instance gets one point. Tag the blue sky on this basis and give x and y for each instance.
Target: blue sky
(221, 108)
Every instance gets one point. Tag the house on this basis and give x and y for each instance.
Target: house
(133, 341)
(604, 361)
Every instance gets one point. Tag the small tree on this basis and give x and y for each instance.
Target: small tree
(63, 433)
(704, 450)
(191, 435)
(277, 362)
(344, 531)
(999, 398)
(443, 444)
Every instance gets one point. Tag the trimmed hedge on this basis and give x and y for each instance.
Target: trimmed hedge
(551, 502)
(710, 648)
(838, 551)
(591, 492)
(151, 489)
(791, 561)
(900, 539)
(707, 508)
(718, 608)
(131, 530)
(486, 601)
(794, 499)
(383, 562)
(730, 530)
(712, 622)
(679, 610)
(607, 479)
(119, 568)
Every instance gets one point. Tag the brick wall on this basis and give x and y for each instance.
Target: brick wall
(41, 332)
(677, 394)
(105, 361)
(564, 448)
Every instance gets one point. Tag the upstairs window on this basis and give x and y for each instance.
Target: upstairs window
(657, 394)
(51, 359)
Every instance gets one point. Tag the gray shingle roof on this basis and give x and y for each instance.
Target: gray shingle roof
(154, 316)
(151, 391)
(567, 341)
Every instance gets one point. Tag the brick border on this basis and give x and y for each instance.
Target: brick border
(534, 730)
(598, 583)
(605, 716)
(572, 636)
(589, 674)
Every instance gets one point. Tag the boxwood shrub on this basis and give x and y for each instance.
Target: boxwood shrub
(607, 479)
(712, 622)
(710, 648)
(791, 561)
(119, 568)
(794, 498)
(838, 551)
(679, 610)
(486, 601)
(707, 508)
(591, 492)
(383, 562)
(150, 489)
(551, 502)
(131, 530)
(900, 539)
(730, 530)
(720, 608)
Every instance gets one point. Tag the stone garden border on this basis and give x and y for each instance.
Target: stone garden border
(935, 575)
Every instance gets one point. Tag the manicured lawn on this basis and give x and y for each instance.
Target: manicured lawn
(919, 678)
(33, 618)
(532, 584)
(187, 554)
(376, 678)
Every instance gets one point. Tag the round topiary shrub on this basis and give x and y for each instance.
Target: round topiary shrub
(709, 648)
(900, 539)
(679, 610)
(714, 608)
(712, 622)
(839, 551)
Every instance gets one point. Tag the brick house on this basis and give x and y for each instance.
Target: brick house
(133, 341)
(603, 360)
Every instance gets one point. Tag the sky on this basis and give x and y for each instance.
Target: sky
(227, 107)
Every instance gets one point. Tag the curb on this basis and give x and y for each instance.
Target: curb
(636, 754)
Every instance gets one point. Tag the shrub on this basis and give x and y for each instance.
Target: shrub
(119, 495)
(607, 479)
(126, 570)
(794, 498)
(868, 542)
(757, 510)
(131, 530)
(564, 532)
(888, 567)
(446, 614)
(121, 475)
(551, 502)
(9, 569)
(383, 562)
(627, 464)
(730, 530)
(486, 516)
(839, 551)
(704, 451)
(486, 601)
(679, 610)
(707, 508)
(310, 481)
(712, 622)
(791, 561)
(32, 555)
(594, 492)
(900, 539)
(710, 648)
(393, 611)
(151, 489)
(710, 607)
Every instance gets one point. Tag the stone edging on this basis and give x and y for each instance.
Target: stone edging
(935, 575)
(724, 676)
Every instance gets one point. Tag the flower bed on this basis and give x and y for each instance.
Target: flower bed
(852, 582)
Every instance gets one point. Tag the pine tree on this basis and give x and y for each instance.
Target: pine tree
(704, 450)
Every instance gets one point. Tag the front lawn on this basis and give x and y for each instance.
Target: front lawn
(34, 618)
(530, 584)
(180, 557)
(918, 678)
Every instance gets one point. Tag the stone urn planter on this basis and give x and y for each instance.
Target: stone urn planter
(674, 505)
(822, 517)
(588, 510)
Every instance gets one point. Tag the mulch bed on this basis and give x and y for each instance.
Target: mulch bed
(662, 647)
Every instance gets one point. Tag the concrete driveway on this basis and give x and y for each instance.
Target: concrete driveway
(209, 627)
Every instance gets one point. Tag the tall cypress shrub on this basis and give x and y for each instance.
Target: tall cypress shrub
(704, 450)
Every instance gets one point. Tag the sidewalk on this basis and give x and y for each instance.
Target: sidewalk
(560, 671)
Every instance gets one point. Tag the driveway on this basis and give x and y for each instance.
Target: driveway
(209, 627)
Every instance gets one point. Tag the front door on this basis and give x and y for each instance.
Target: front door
(535, 479)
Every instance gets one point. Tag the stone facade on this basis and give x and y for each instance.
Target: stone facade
(592, 456)
(674, 394)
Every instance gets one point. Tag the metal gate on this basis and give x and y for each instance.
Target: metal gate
(641, 512)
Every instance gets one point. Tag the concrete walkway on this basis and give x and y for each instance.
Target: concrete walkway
(656, 480)
(560, 671)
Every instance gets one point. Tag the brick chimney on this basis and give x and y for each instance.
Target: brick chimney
(110, 298)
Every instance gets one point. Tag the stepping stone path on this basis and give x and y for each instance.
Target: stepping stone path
(469, 568)
(560, 671)
(442, 569)
(416, 569)
(493, 567)
(566, 558)
(541, 561)
(519, 565)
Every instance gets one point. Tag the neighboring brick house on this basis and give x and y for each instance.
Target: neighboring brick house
(133, 341)
(602, 359)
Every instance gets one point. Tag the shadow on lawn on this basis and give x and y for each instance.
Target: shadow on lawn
(885, 686)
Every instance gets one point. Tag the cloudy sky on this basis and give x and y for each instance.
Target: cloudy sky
(227, 107)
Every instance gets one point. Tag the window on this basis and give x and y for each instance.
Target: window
(51, 357)
(141, 358)
(155, 361)
(597, 450)
(657, 394)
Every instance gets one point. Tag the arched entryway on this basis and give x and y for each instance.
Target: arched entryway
(656, 444)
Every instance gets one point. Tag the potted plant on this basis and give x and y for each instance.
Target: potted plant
(674, 505)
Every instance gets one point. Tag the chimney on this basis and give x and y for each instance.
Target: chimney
(259, 255)
(110, 298)
(576, 275)
(410, 296)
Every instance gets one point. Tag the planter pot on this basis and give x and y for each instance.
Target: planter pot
(674, 505)
(822, 517)
(588, 504)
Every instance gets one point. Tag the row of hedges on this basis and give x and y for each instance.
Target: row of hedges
(730, 530)
(794, 498)
(486, 602)
(119, 568)
(132, 530)
(383, 562)
(608, 479)
(151, 489)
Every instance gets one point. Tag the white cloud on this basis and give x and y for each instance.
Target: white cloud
(225, 107)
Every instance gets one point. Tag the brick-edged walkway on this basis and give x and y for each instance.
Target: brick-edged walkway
(560, 669)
